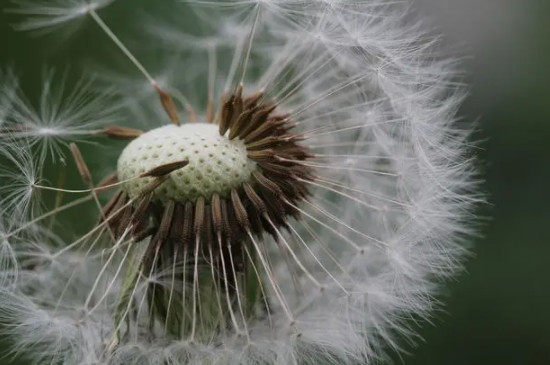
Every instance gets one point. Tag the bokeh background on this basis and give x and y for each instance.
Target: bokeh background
(498, 311)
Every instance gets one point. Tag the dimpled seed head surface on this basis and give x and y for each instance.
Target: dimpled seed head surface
(216, 164)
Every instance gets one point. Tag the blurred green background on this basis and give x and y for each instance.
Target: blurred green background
(498, 311)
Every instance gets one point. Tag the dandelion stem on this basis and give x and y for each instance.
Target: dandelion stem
(249, 41)
(293, 254)
(338, 167)
(270, 277)
(226, 282)
(121, 45)
(239, 301)
(86, 176)
(102, 271)
(263, 293)
(195, 288)
(303, 242)
(83, 191)
(50, 213)
(212, 65)
(166, 100)
(59, 195)
(344, 224)
(99, 228)
(333, 230)
(377, 196)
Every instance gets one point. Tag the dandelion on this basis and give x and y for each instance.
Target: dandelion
(61, 115)
(19, 173)
(47, 14)
(296, 198)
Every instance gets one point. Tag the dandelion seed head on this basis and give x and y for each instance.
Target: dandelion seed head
(216, 164)
(353, 197)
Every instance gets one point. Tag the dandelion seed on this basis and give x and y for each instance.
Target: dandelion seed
(61, 115)
(46, 14)
(19, 173)
(296, 214)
